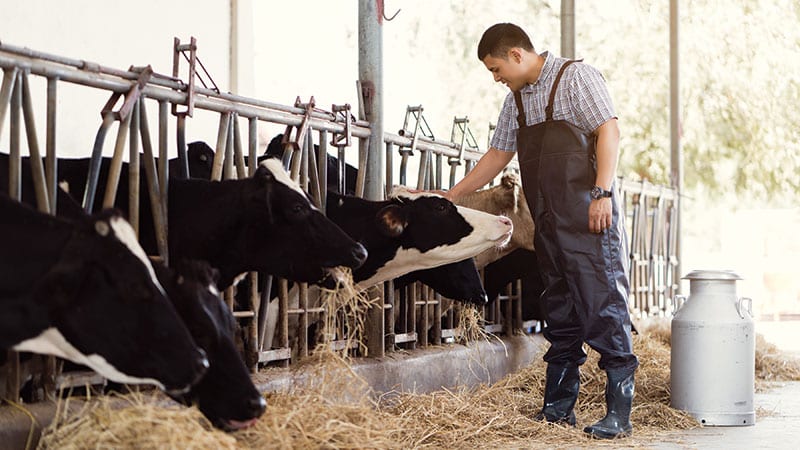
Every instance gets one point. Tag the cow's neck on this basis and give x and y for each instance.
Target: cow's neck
(20, 316)
(204, 223)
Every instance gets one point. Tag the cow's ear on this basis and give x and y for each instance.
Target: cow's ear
(511, 183)
(391, 220)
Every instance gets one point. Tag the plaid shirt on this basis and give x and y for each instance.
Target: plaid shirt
(582, 99)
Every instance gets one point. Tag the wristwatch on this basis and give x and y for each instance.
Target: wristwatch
(597, 193)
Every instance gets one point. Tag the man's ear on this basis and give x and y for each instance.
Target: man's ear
(391, 221)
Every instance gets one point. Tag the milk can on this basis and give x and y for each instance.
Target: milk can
(713, 351)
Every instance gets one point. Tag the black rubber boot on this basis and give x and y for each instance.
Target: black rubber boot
(619, 397)
(560, 393)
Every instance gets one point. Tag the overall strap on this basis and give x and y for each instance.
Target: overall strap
(520, 110)
(549, 109)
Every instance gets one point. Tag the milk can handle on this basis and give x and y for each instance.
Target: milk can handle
(740, 306)
(675, 306)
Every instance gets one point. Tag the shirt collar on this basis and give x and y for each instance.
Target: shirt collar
(547, 67)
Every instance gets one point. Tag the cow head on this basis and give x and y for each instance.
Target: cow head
(226, 394)
(302, 243)
(201, 160)
(417, 231)
(108, 311)
(457, 281)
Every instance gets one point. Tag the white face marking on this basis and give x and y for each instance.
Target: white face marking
(64, 185)
(488, 231)
(276, 168)
(213, 289)
(52, 342)
(124, 232)
(404, 192)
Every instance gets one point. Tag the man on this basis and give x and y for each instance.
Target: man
(567, 143)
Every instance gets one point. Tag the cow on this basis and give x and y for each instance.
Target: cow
(85, 291)
(226, 394)
(408, 232)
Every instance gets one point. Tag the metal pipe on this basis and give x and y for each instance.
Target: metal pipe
(322, 170)
(568, 28)
(15, 160)
(183, 160)
(252, 145)
(134, 170)
(37, 168)
(370, 73)
(116, 163)
(94, 163)
(227, 166)
(93, 69)
(153, 186)
(51, 162)
(9, 79)
(676, 156)
(389, 167)
(241, 170)
(219, 150)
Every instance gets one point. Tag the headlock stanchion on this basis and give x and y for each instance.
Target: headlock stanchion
(418, 315)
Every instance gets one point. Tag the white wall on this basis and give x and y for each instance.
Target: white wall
(116, 34)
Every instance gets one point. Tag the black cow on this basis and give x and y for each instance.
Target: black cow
(226, 394)
(519, 264)
(86, 292)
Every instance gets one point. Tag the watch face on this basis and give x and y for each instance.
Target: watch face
(596, 193)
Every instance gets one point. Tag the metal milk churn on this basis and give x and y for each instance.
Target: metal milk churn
(713, 351)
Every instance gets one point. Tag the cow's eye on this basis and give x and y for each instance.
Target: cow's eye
(441, 207)
(297, 208)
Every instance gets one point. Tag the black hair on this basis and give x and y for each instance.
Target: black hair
(498, 38)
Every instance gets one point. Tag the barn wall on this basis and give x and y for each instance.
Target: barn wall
(119, 34)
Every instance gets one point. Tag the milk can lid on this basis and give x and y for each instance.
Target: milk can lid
(712, 275)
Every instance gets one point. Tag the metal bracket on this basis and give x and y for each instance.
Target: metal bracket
(461, 125)
(343, 112)
(130, 98)
(194, 61)
(302, 129)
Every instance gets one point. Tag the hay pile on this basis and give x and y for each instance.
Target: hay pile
(338, 410)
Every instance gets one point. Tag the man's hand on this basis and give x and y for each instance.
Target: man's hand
(600, 215)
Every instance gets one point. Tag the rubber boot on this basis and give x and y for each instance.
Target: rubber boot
(560, 393)
(619, 397)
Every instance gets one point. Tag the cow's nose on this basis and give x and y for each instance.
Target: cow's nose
(506, 221)
(360, 254)
(258, 406)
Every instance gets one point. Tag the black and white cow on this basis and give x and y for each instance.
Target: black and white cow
(226, 394)
(85, 291)
(264, 223)
(409, 232)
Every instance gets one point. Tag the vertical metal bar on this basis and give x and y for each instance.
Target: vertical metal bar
(389, 168)
(253, 346)
(94, 163)
(437, 319)
(37, 168)
(313, 173)
(305, 150)
(163, 171)
(676, 155)
(423, 168)
(283, 313)
(342, 172)
(116, 163)
(568, 28)
(302, 328)
(227, 166)
(508, 319)
(9, 80)
(389, 300)
(266, 297)
(180, 132)
(51, 162)
(153, 186)
(241, 170)
(425, 293)
(134, 170)
(252, 145)
(370, 73)
(219, 151)
(15, 160)
(322, 169)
